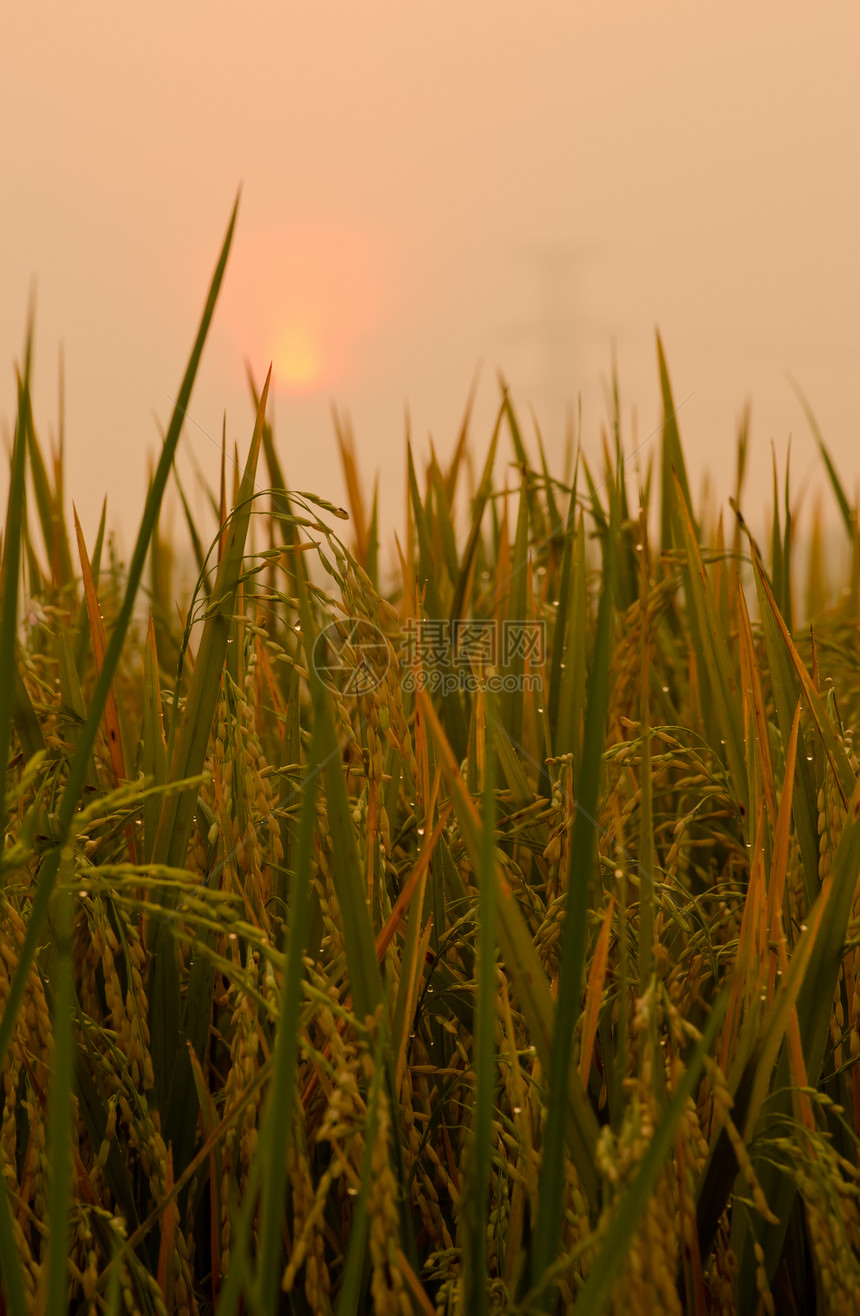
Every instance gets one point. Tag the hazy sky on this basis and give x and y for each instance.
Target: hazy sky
(427, 187)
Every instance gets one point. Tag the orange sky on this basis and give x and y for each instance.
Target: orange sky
(425, 188)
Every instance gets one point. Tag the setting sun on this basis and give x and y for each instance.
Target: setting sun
(305, 297)
(298, 359)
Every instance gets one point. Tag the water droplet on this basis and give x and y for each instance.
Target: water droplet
(665, 689)
(420, 831)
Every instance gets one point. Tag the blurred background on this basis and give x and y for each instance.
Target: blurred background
(426, 191)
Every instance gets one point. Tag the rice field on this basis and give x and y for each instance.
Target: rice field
(488, 941)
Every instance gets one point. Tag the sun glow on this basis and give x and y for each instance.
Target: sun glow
(298, 359)
(306, 298)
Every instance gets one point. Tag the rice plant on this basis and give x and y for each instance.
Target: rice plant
(488, 941)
